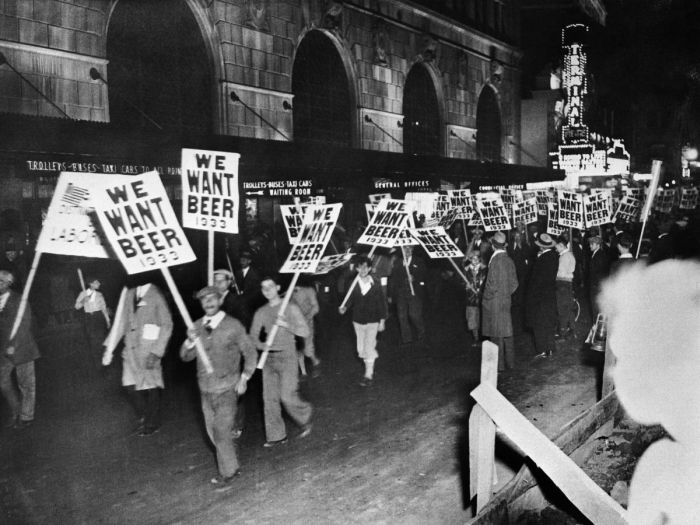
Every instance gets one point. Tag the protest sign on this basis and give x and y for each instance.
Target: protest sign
(210, 190)
(448, 218)
(664, 200)
(293, 217)
(424, 203)
(376, 197)
(462, 200)
(509, 197)
(553, 227)
(331, 262)
(542, 200)
(391, 218)
(369, 208)
(525, 212)
(317, 229)
(492, 212)
(441, 205)
(596, 209)
(313, 200)
(436, 243)
(68, 228)
(689, 198)
(570, 209)
(140, 223)
(627, 210)
(635, 193)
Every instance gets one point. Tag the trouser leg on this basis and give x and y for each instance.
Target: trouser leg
(151, 408)
(404, 326)
(297, 409)
(219, 413)
(239, 418)
(137, 401)
(415, 313)
(564, 304)
(544, 339)
(26, 381)
(8, 388)
(274, 424)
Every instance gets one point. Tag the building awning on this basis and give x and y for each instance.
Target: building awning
(45, 145)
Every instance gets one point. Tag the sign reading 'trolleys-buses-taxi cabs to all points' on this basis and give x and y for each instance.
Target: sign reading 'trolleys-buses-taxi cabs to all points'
(139, 222)
(210, 198)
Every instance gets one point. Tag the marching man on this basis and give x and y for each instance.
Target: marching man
(226, 342)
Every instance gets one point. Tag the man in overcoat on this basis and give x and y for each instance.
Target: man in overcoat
(18, 354)
(409, 272)
(146, 327)
(598, 270)
(541, 299)
(501, 282)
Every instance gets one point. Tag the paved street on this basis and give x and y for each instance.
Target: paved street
(395, 452)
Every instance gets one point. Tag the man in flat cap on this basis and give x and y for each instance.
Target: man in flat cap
(226, 343)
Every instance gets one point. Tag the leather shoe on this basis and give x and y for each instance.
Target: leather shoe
(271, 444)
(221, 480)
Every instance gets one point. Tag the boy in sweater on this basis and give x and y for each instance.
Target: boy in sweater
(368, 315)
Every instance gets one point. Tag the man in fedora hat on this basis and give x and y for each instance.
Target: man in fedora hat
(501, 282)
(541, 299)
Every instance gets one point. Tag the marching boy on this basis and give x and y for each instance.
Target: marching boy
(226, 342)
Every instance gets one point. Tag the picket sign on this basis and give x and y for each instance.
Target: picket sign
(304, 257)
(408, 272)
(655, 175)
(210, 258)
(111, 341)
(201, 353)
(82, 281)
(25, 295)
(140, 223)
(354, 281)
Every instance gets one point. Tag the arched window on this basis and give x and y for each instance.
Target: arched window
(421, 123)
(488, 126)
(322, 108)
(158, 65)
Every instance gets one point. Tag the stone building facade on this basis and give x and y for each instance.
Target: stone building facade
(384, 75)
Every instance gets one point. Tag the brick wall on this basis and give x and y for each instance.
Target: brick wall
(53, 44)
(56, 42)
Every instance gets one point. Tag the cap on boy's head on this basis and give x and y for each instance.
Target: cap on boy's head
(208, 290)
(245, 255)
(595, 240)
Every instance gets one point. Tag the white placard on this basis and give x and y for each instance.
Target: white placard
(436, 243)
(628, 209)
(68, 228)
(492, 211)
(210, 190)
(553, 227)
(307, 252)
(391, 219)
(140, 223)
(525, 211)
(570, 209)
(293, 218)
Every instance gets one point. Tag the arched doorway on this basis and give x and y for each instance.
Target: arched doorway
(488, 126)
(323, 110)
(158, 65)
(421, 110)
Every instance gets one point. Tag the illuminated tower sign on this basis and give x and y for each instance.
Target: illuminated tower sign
(573, 38)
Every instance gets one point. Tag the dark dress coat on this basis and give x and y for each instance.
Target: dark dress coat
(541, 299)
(598, 270)
(26, 349)
(501, 282)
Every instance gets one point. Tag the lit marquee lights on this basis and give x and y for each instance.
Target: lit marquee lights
(574, 131)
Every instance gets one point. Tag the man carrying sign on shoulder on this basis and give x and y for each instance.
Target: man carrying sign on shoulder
(280, 375)
(226, 342)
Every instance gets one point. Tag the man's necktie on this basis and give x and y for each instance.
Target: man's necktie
(207, 327)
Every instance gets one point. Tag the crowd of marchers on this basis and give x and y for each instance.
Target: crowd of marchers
(517, 281)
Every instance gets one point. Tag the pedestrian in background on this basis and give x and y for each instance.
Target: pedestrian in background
(407, 291)
(496, 321)
(16, 354)
(226, 343)
(369, 312)
(476, 276)
(97, 323)
(598, 270)
(564, 287)
(304, 295)
(541, 298)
